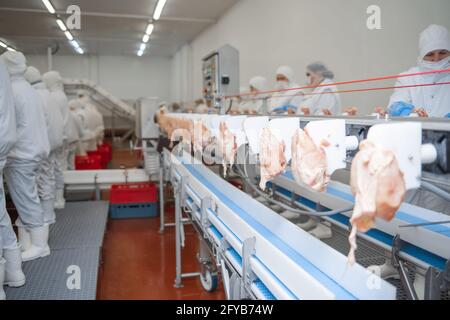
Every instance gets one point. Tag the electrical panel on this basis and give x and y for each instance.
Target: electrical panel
(220, 75)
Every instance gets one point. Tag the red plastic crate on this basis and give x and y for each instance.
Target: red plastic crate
(104, 158)
(106, 148)
(92, 162)
(133, 193)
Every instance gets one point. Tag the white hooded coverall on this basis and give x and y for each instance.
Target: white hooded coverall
(31, 148)
(8, 239)
(319, 101)
(434, 99)
(286, 98)
(54, 83)
(46, 174)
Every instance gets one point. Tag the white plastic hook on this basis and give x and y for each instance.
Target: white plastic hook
(283, 130)
(253, 127)
(332, 131)
(235, 125)
(405, 140)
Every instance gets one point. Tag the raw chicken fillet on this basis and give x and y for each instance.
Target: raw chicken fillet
(378, 186)
(271, 157)
(202, 136)
(309, 161)
(227, 146)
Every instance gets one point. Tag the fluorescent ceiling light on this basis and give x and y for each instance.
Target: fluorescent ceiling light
(49, 6)
(68, 35)
(11, 49)
(159, 8)
(140, 53)
(2, 44)
(149, 29)
(142, 47)
(75, 44)
(145, 38)
(61, 25)
(79, 50)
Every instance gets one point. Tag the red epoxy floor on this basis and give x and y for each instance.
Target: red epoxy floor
(139, 262)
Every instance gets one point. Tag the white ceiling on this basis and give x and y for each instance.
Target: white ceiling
(107, 27)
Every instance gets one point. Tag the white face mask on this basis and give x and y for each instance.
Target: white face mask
(282, 85)
(432, 66)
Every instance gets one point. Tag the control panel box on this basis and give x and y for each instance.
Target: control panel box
(220, 75)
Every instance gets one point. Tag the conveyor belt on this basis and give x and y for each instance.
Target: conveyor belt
(75, 240)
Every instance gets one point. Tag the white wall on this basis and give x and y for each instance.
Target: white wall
(126, 77)
(269, 33)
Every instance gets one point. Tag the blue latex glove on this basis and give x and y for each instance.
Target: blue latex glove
(448, 115)
(401, 109)
(284, 108)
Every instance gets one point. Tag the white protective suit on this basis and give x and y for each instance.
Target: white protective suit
(54, 83)
(434, 99)
(256, 104)
(318, 101)
(23, 161)
(55, 130)
(7, 140)
(94, 120)
(86, 136)
(285, 99)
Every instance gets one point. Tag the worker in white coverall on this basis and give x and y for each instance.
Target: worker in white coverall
(46, 174)
(255, 103)
(24, 159)
(10, 256)
(98, 125)
(54, 83)
(74, 106)
(82, 116)
(287, 100)
(321, 101)
(433, 101)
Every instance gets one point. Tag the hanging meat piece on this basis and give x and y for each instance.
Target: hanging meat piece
(271, 157)
(202, 136)
(227, 146)
(309, 161)
(181, 129)
(378, 186)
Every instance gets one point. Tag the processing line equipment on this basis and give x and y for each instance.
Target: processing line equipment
(262, 255)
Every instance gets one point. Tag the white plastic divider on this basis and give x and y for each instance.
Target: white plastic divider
(235, 125)
(283, 130)
(332, 131)
(253, 127)
(405, 140)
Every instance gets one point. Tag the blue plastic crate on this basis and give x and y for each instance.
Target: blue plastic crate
(133, 210)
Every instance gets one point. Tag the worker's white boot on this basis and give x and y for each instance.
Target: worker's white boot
(322, 231)
(49, 211)
(24, 237)
(385, 271)
(60, 202)
(289, 215)
(39, 244)
(14, 276)
(308, 225)
(2, 278)
(419, 286)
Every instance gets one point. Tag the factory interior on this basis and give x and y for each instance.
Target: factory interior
(224, 150)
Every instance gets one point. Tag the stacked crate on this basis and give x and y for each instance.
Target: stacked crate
(134, 200)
